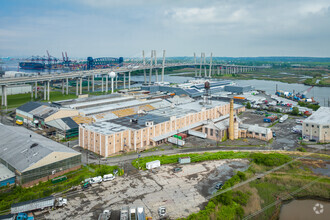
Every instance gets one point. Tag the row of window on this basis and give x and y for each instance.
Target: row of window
(324, 126)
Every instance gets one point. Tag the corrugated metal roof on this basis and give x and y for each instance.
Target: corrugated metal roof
(63, 123)
(5, 173)
(22, 148)
(27, 107)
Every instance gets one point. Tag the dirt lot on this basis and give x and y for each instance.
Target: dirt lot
(181, 193)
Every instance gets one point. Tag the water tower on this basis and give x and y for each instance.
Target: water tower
(207, 87)
(112, 76)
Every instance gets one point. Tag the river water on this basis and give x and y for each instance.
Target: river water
(305, 210)
(320, 94)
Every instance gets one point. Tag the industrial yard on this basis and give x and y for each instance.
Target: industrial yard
(181, 193)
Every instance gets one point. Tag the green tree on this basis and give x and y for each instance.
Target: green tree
(295, 111)
(248, 105)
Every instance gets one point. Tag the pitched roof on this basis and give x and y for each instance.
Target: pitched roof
(63, 123)
(21, 148)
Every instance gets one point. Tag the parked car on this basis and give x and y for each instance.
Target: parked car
(97, 179)
(274, 134)
(115, 171)
(219, 186)
(108, 177)
(85, 186)
(162, 211)
(177, 170)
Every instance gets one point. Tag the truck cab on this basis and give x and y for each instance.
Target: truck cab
(24, 216)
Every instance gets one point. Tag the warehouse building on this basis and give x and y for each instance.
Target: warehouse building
(317, 126)
(141, 131)
(36, 114)
(34, 158)
(65, 127)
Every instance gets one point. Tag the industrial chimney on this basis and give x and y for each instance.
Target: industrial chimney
(231, 120)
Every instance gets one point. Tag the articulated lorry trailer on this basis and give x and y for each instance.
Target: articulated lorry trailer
(38, 204)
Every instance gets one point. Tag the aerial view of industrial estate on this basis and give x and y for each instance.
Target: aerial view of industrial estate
(225, 116)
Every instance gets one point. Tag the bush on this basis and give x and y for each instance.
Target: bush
(240, 211)
(104, 169)
(241, 198)
(301, 149)
(241, 175)
(272, 159)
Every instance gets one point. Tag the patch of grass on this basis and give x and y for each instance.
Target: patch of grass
(170, 159)
(272, 124)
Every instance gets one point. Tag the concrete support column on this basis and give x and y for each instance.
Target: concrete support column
(106, 83)
(129, 80)
(210, 72)
(111, 85)
(156, 70)
(45, 90)
(163, 66)
(218, 70)
(117, 81)
(31, 91)
(81, 82)
(88, 80)
(150, 71)
(67, 86)
(205, 73)
(35, 91)
(48, 90)
(102, 83)
(200, 66)
(144, 68)
(124, 81)
(77, 85)
(5, 96)
(93, 83)
(63, 86)
(195, 64)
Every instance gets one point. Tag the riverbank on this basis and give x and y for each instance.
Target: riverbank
(315, 77)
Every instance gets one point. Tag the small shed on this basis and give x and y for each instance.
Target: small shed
(183, 160)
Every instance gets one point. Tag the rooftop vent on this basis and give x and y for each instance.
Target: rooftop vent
(133, 120)
(33, 145)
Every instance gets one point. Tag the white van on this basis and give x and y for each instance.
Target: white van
(108, 177)
(97, 179)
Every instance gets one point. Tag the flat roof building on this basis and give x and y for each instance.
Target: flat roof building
(317, 126)
(141, 131)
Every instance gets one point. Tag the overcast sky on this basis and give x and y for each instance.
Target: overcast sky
(116, 28)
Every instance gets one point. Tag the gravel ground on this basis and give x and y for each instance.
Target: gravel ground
(181, 193)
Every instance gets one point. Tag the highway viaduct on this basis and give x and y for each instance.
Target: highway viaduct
(89, 75)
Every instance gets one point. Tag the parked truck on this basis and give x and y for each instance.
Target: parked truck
(283, 118)
(140, 213)
(37, 204)
(176, 141)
